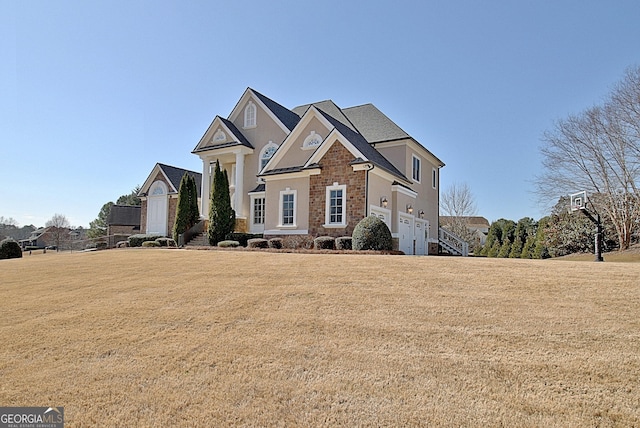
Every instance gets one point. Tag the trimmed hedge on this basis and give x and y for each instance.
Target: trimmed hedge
(153, 244)
(344, 243)
(166, 242)
(324, 243)
(371, 233)
(122, 244)
(275, 243)
(258, 243)
(228, 244)
(10, 249)
(137, 240)
(242, 238)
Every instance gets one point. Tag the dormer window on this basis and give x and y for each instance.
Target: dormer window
(250, 115)
(312, 141)
(267, 153)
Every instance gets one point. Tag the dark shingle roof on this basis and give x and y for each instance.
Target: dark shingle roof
(364, 147)
(374, 125)
(328, 107)
(124, 215)
(175, 174)
(236, 132)
(286, 116)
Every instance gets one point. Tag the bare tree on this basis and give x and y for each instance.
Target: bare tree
(59, 228)
(458, 204)
(599, 151)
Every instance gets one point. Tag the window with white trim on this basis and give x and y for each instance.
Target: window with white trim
(415, 169)
(434, 178)
(313, 140)
(250, 115)
(266, 154)
(288, 208)
(258, 211)
(335, 206)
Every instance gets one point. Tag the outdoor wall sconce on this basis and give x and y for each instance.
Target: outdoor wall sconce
(409, 209)
(384, 202)
(421, 213)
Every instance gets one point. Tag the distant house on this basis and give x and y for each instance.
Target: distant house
(123, 220)
(478, 226)
(159, 196)
(46, 237)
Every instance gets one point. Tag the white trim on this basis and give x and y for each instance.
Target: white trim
(434, 178)
(286, 232)
(382, 213)
(250, 95)
(334, 136)
(288, 175)
(154, 172)
(207, 138)
(404, 191)
(413, 159)
(257, 227)
(306, 144)
(266, 147)
(327, 207)
(293, 225)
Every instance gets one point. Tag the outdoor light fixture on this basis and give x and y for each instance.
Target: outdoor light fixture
(421, 214)
(383, 202)
(409, 209)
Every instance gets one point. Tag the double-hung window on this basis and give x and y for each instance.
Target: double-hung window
(415, 170)
(335, 208)
(288, 208)
(258, 211)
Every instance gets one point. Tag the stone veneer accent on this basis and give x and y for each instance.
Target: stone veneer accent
(336, 169)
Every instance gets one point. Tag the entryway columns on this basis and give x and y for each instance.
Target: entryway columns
(206, 187)
(239, 179)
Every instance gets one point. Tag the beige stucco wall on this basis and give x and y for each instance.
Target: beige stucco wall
(272, 207)
(296, 155)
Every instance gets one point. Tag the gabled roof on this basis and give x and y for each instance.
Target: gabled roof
(124, 215)
(241, 140)
(173, 175)
(363, 146)
(374, 125)
(286, 116)
(328, 107)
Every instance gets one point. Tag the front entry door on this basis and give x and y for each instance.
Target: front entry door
(157, 205)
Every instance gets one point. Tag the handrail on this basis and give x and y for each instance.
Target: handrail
(451, 240)
(194, 230)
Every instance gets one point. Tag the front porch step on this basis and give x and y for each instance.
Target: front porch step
(200, 240)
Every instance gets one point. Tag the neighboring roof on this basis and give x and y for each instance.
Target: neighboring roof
(374, 125)
(328, 107)
(174, 175)
(363, 146)
(471, 220)
(124, 215)
(286, 116)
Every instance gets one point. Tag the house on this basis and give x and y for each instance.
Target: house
(159, 198)
(314, 170)
(123, 220)
(478, 226)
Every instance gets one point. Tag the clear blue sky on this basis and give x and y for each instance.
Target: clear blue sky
(94, 93)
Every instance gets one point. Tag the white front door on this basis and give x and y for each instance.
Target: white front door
(405, 233)
(157, 205)
(421, 232)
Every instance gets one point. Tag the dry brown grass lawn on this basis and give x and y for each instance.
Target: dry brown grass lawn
(217, 338)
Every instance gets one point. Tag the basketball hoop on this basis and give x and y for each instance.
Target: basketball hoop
(578, 201)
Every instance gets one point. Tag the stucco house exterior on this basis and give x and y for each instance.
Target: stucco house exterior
(314, 170)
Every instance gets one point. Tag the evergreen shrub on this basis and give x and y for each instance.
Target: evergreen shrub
(147, 244)
(275, 243)
(371, 233)
(324, 243)
(242, 238)
(10, 249)
(344, 243)
(228, 244)
(137, 240)
(258, 243)
(166, 242)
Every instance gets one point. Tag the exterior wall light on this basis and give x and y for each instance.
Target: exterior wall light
(421, 213)
(409, 209)
(384, 202)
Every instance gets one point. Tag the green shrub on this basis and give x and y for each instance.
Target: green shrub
(324, 243)
(258, 243)
(102, 245)
(371, 233)
(344, 243)
(122, 244)
(275, 243)
(137, 240)
(228, 244)
(242, 238)
(147, 244)
(10, 249)
(166, 242)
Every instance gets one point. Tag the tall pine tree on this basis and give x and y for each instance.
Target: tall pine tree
(222, 217)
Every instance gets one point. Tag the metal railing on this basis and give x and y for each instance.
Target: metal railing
(195, 230)
(453, 243)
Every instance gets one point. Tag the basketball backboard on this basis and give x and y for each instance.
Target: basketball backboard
(578, 201)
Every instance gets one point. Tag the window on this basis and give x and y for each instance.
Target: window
(250, 115)
(313, 140)
(335, 212)
(219, 136)
(415, 171)
(267, 153)
(434, 178)
(258, 211)
(288, 208)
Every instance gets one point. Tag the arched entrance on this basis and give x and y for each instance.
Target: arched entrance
(157, 206)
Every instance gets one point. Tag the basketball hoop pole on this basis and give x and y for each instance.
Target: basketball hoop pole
(598, 238)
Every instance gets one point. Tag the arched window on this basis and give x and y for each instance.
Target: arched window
(313, 140)
(158, 188)
(250, 115)
(266, 153)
